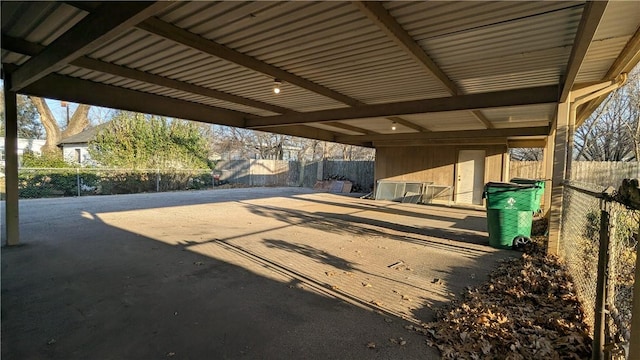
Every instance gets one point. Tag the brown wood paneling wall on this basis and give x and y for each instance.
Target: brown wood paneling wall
(434, 163)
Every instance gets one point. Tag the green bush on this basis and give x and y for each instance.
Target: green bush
(43, 183)
(45, 160)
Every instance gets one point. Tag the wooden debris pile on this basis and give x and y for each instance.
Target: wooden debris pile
(527, 310)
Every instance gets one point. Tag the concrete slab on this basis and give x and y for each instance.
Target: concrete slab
(260, 273)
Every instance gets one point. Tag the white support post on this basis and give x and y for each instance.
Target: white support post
(559, 167)
(12, 224)
(548, 170)
(77, 176)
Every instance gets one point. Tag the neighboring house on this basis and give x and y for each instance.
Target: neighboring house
(32, 145)
(75, 149)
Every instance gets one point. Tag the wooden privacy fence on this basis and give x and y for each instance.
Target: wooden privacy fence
(603, 173)
(295, 173)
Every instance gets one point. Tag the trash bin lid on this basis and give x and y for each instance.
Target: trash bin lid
(505, 186)
(526, 181)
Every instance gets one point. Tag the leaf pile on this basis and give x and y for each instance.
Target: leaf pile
(527, 310)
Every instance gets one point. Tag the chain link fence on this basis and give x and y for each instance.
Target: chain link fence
(58, 182)
(583, 229)
(579, 245)
(623, 251)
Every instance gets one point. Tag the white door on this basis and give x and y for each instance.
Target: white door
(470, 177)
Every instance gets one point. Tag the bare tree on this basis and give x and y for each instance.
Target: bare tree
(55, 133)
(234, 143)
(612, 132)
(526, 154)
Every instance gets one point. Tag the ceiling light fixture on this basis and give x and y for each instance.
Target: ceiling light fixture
(276, 86)
(393, 126)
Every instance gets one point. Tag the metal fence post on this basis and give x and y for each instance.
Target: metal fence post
(603, 260)
(302, 165)
(157, 180)
(78, 179)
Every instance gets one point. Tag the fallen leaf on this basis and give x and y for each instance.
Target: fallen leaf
(371, 345)
(528, 309)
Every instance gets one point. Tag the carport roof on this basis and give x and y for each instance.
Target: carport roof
(349, 70)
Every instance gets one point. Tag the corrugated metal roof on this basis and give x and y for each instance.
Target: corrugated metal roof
(610, 38)
(480, 46)
(39, 22)
(430, 19)
(508, 45)
(318, 41)
(140, 50)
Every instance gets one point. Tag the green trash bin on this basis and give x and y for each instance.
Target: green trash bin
(509, 212)
(539, 192)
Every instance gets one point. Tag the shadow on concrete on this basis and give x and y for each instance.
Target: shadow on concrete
(81, 288)
(444, 213)
(124, 296)
(310, 252)
(361, 226)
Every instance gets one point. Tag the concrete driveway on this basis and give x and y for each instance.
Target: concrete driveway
(259, 273)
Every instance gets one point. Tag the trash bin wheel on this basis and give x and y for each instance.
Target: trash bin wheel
(519, 242)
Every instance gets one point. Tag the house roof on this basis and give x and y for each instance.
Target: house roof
(83, 137)
(349, 70)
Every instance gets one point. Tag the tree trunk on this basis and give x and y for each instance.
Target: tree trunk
(78, 122)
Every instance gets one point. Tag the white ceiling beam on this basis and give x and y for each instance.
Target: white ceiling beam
(517, 97)
(107, 22)
(450, 135)
(527, 143)
(591, 17)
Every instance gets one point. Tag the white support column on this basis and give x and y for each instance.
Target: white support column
(570, 139)
(12, 230)
(560, 150)
(548, 169)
